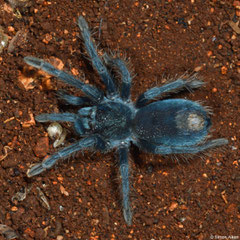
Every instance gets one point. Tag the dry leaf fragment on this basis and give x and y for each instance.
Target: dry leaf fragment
(20, 3)
(234, 26)
(43, 199)
(7, 8)
(46, 83)
(25, 82)
(19, 39)
(5, 152)
(21, 195)
(3, 39)
(8, 232)
(56, 62)
(29, 123)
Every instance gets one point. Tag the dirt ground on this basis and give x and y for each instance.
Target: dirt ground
(195, 200)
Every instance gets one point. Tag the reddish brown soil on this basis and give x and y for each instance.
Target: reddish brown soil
(198, 200)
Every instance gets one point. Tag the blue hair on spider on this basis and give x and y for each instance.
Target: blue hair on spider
(110, 120)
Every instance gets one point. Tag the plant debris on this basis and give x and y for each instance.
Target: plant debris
(5, 148)
(43, 199)
(8, 232)
(3, 40)
(234, 26)
(18, 40)
(21, 195)
(20, 3)
(30, 122)
(26, 78)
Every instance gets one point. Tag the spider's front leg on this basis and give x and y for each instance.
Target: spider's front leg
(93, 93)
(179, 84)
(96, 60)
(124, 172)
(87, 142)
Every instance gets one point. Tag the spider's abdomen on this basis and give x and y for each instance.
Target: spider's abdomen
(173, 122)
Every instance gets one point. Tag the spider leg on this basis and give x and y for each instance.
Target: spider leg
(164, 149)
(80, 124)
(179, 84)
(73, 100)
(124, 171)
(56, 117)
(96, 61)
(95, 94)
(65, 152)
(125, 75)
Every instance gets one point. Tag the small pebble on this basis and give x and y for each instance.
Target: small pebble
(224, 70)
(214, 90)
(59, 237)
(9, 162)
(14, 209)
(173, 206)
(42, 147)
(63, 191)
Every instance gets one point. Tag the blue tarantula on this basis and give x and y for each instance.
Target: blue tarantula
(112, 121)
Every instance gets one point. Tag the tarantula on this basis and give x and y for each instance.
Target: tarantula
(112, 121)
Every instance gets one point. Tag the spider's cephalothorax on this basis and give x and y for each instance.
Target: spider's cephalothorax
(112, 121)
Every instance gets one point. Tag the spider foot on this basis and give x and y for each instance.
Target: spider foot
(127, 216)
(217, 143)
(194, 82)
(35, 170)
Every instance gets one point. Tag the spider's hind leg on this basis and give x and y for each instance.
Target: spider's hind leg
(165, 149)
(157, 92)
(124, 171)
